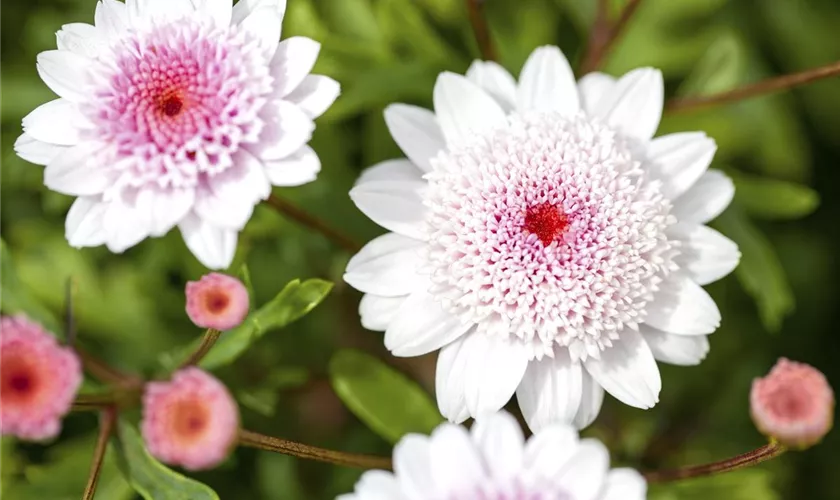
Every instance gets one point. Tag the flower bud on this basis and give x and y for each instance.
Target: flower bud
(38, 380)
(217, 301)
(793, 404)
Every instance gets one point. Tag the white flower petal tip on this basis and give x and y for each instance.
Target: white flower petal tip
(494, 460)
(146, 148)
(549, 228)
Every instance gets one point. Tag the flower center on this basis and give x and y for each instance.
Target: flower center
(190, 419)
(217, 301)
(790, 403)
(19, 380)
(546, 221)
(171, 106)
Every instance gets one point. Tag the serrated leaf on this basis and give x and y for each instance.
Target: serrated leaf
(150, 478)
(387, 401)
(17, 299)
(760, 271)
(774, 199)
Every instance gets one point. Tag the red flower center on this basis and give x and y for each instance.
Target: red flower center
(189, 419)
(19, 380)
(171, 105)
(546, 221)
(217, 301)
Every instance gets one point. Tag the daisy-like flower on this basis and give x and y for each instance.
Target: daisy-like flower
(217, 301)
(793, 404)
(543, 240)
(38, 380)
(175, 113)
(191, 421)
(493, 462)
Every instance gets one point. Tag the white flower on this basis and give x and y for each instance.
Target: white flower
(175, 112)
(543, 240)
(493, 462)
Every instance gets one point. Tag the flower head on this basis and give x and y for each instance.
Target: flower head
(217, 301)
(793, 404)
(175, 113)
(191, 421)
(38, 380)
(543, 240)
(493, 462)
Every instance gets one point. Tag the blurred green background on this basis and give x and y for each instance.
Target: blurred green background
(783, 152)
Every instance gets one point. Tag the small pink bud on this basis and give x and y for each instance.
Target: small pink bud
(217, 301)
(793, 404)
(38, 380)
(191, 421)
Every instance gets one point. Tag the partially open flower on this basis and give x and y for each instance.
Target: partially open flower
(191, 421)
(217, 301)
(38, 380)
(793, 404)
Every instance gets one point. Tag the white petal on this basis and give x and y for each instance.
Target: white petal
(127, 221)
(592, 397)
(212, 246)
(416, 131)
(584, 474)
(463, 109)
(244, 8)
(421, 326)
(377, 485)
(218, 10)
(706, 199)
(168, 207)
(391, 170)
(678, 160)
(111, 18)
(685, 350)
(501, 442)
(377, 312)
(264, 25)
(388, 266)
(293, 60)
(548, 451)
(78, 171)
(624, 484)
(550, 391)
(65, 73)
(287, 129)
(495, 367)
(164, 10)
(56, 122)
(230, 196)
(81, 38)
(296, 170)
(496, 81)
(628, 371)
(413, 466)
(394, 205)
(634, 106)
(705, 254)
(37, 152)
(593, 88)
(315, 94)
(84, 226)
(547, 83)
(456, 462)
(450, 377)
(682, 306)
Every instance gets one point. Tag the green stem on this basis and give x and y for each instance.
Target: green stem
(755, 457)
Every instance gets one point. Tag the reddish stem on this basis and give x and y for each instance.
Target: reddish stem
(748, 459)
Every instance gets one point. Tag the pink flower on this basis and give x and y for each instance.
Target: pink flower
(191, 421)
(38, 380)
(175, 113)
(217, 301)
(793, 404)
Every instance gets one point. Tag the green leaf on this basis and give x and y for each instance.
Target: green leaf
(749, 484)
(760, 271)
(774, 199)
(720, 69)
(278, 477)
(245, 276)
(406, 28)
(292, 303)
(17, 299)
(150, 478)
(384, 399)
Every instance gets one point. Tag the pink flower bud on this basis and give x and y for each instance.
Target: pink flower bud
(793, 404)
(191, 421)
(217, 301)
(38, 380)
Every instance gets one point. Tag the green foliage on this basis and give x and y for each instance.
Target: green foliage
(16, 297)
(767, 198)
(150, 478)
(750, 484)
(384, 399)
